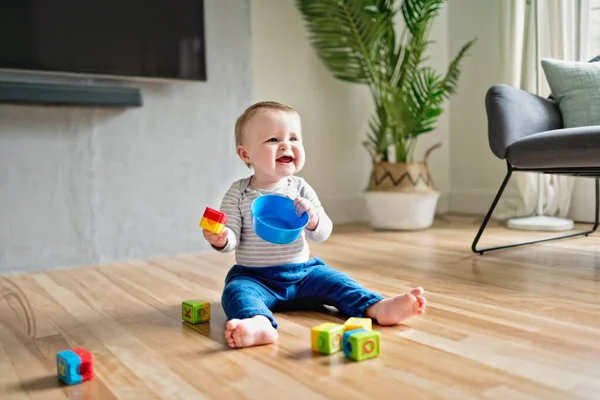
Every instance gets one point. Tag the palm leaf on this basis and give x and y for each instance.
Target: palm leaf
(345, 34)
(357, 41)
(378, 138)
(420, 109)
(450, 82)
(426, 89)
(418, 16)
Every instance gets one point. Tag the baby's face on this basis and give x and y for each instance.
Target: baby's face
(272, 144)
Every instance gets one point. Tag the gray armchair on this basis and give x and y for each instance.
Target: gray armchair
(527, 131)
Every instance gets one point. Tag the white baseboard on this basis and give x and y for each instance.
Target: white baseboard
(478, 202)
(469, 201)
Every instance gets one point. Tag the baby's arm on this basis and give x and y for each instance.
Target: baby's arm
(230, 205)
(324, 225)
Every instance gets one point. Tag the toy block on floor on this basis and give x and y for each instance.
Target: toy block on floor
(75, 366)
(213, 220)
(357, 323)
(195, 311)
(326, 338)
(361, 344)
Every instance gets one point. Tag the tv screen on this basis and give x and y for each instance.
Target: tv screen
(140, 38)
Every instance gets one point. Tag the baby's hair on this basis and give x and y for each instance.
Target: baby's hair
(252, 111)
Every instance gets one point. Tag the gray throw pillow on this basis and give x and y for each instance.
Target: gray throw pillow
(576, 88)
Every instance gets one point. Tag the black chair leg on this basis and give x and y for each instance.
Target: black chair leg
(495, 203)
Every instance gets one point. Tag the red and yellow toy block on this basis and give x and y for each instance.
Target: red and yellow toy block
(213, 220)
(357, 323)
(75, 366)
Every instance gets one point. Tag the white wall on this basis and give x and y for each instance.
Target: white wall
(86, 186)
(476, 174)
(335, 114)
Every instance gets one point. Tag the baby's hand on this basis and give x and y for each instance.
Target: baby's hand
(218, 240)
(302, 205)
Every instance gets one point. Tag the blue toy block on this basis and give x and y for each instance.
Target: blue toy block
(67, 364)
(361, 344)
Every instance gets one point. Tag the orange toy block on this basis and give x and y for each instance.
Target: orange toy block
(213, 220)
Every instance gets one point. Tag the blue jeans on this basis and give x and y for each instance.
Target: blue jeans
(251, 291)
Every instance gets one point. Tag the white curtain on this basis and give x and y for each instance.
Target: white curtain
(530, 32)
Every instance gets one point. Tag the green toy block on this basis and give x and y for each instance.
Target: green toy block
(361, 344)
(195, 311)
(326, 338)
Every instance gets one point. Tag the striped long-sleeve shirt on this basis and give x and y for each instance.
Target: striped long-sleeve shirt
(250, 249)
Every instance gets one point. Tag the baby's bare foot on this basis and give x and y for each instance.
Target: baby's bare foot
(392, 311)
(250, 332)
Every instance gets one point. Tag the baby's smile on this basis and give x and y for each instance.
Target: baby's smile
(285, 159)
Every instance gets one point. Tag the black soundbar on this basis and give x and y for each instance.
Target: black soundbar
(69, 95)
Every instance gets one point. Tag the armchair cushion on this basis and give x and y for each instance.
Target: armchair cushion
(514, 114)
(560, 148)
(576, 88)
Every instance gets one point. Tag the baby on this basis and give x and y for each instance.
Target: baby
(269, 277)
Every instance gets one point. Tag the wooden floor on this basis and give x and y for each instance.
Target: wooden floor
(515, 324)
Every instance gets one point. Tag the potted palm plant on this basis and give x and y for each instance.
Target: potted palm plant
(358, 43)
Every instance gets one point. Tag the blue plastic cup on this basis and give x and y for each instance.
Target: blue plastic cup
(274, 219)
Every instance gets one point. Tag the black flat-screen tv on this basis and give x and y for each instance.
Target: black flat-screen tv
(128, 38)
